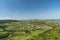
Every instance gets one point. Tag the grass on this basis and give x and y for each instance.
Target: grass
(1, 33)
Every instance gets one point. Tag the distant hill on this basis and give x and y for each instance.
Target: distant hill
(53, 19)
(7, 21)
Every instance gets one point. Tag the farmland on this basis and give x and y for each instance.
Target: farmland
(29, 30)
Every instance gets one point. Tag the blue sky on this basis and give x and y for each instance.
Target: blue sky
(29, 9)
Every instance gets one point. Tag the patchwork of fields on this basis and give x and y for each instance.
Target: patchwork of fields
(29, 30)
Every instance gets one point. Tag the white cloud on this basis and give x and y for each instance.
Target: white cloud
(7, 18)
(4, 18)
(1, 18)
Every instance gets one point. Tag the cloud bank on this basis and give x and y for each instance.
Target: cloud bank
(7, 18)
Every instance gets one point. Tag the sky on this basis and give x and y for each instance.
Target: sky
(29, 9)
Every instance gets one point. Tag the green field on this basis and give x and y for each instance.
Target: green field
(29, 30)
